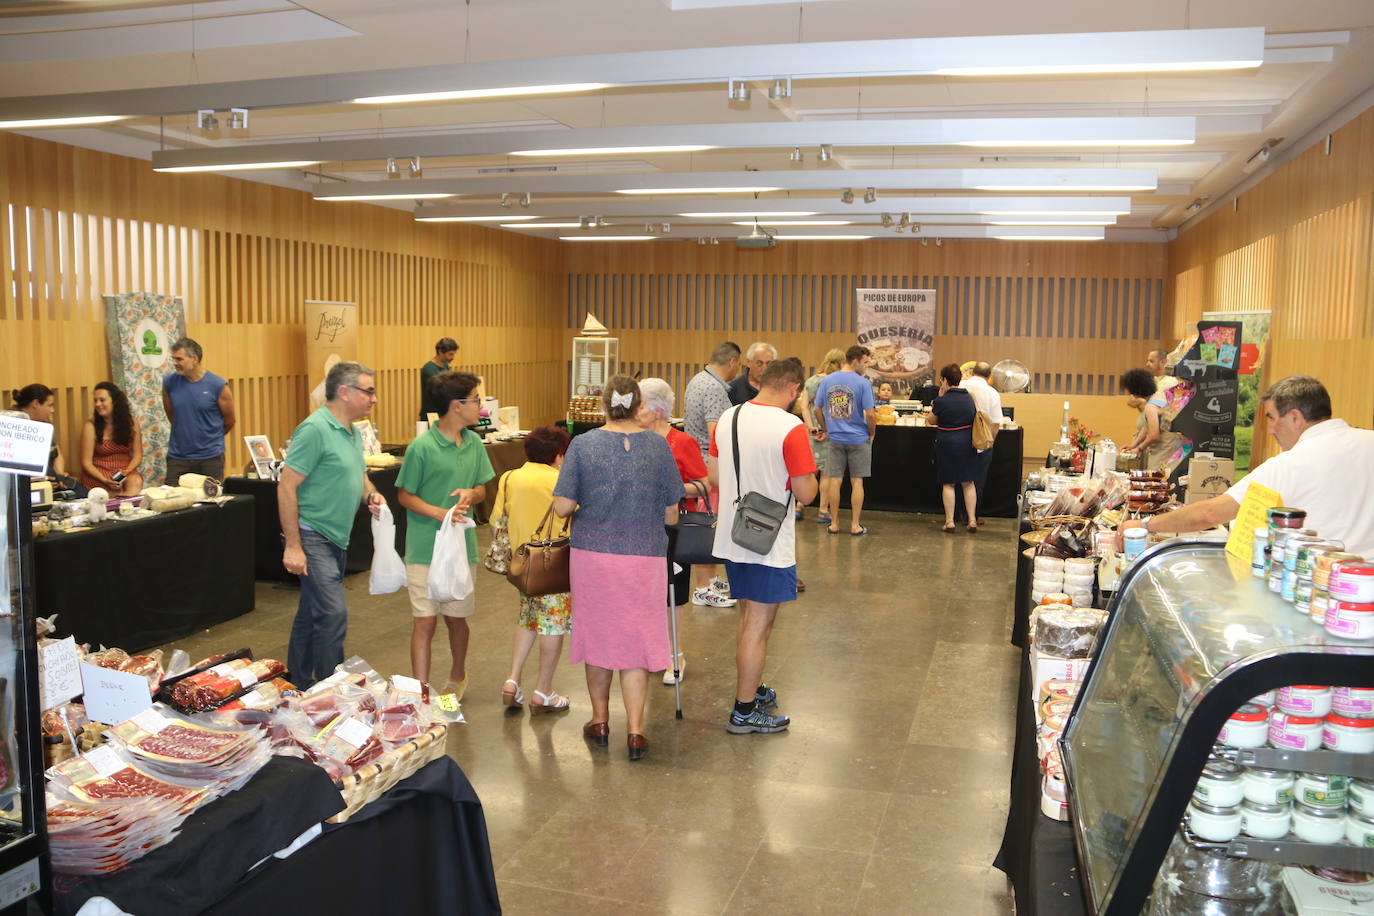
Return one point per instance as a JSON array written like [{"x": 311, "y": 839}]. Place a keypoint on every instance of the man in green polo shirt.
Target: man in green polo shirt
[
  {"x": 445, "y": 466},
  {"x": 444, "y": 351},
  {"x": 321, "y": 485}
]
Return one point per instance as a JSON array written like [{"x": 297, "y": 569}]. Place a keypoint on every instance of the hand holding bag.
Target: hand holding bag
[
  {"x": 388, "y": 569},
  {"x": 758, "y": 518},
  {"x": 498, "y": 554},
  {"x": 696, "y": 533},
  {"x": 540, "y": 565},
  {"x": 450, "y": 577}
]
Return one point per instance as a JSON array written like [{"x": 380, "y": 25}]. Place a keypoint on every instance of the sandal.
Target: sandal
[
  {"x": 822, "y": 520},
  {"x": 512, "y": 697},
  {"x": 972, "y": 529},
  {"x": 948, "y": 528},
  {"x": 549, "y": 702},
  {"x": 457, "y": 688}
]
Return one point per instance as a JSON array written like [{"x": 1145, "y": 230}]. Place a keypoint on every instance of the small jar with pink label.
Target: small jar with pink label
[
  {"x": 1299, "y": 733},
  {"x": 1304, "y": 700}
]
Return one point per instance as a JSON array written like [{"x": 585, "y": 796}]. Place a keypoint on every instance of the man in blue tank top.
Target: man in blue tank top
[{"x": 200, "y": 408}]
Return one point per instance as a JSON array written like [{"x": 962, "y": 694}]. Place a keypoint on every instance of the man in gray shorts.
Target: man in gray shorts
[{"x": 849, "y": 417}]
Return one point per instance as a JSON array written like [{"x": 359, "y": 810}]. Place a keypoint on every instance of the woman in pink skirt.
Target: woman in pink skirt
[{"x": 623, "y": 484}]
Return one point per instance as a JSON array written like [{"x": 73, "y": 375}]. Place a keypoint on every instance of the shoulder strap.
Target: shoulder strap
[
  {"x": 734, "y": 448},
  {"x": 504, "y": 487}
]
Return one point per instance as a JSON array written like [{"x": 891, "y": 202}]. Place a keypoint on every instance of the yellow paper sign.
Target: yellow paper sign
[{"x": 1253, "y": 514}]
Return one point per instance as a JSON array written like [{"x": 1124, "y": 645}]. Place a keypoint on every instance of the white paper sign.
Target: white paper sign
[
  {"x": 24, "y": 445},
  {"x": 114, "y": 696},
  {"x": 104, "y": 760},
  {"x": 59, "y": 673},
  {"x": 354, "y": 732}
]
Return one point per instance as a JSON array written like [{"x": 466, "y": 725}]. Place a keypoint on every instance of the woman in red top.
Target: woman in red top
[
  {"x": 111, "y": 447},
  {"x": 654, "y": 411}
]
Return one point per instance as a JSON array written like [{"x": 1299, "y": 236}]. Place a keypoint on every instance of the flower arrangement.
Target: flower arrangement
[{"x": 1079, "y": 435}]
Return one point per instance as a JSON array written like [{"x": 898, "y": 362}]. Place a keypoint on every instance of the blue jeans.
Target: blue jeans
[{"x": 317, "y": 636}]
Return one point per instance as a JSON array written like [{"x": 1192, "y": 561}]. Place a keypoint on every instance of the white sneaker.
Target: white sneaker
[
  {"x": 708, "y": 598},
  {"x": 681, "y": 671},
  {"x": 720, "y": 587}
]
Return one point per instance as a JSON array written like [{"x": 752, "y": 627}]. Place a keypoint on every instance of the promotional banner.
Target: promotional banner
[
  {"x": 1208, "y": 385},
  {"x": 140, "y": 329},
  {"x": 1255, "y": 331},
  {"x": 898, "y": 325},
  {"x": 331, "y": 336}
]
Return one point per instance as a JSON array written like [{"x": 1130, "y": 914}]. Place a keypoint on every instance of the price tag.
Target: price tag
[
  {"x": 253, "y": 699},
  {"x": 405, "y": 684},
  {"x": 105, "y": 761},
  {"x": 354, "y": 732},
  {"x": 223, "y": 670},
  {"x": 150, "y": 720},
  {"x": 113, "y": 696},
  {"x": 246, "y": 677},
  {"x": 448, "y": 702},
  {"x": 59, "y": 670},
  {"x": 24, "y": 445}
]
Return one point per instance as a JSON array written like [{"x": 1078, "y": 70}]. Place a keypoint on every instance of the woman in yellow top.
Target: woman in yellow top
[{"x": 522, "y": 498}]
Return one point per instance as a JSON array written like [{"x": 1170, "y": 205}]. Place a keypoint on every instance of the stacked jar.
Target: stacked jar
[
  {"x": 1280, "y": 519},
  {"x": 1313, "y": 578},
  {"x": 1321, "y": 581},
  {"x": 1350, "y": 607}
]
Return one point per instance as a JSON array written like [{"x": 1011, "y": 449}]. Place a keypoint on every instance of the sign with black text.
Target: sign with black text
[
  {"x": 898, "y": 325},
  {"x": 24, "y": 445}
]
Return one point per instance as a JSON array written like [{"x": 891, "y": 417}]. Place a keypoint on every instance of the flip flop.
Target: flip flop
[
  {"x": 858, "y": 534},
  {"x": 833, "y": 530},
  {"x": 822, "y": 520}
]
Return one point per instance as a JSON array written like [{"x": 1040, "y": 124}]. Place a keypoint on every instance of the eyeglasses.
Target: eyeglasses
[
  {"x": 370, "y": 392},
  {"x": 468, "y": 400}
]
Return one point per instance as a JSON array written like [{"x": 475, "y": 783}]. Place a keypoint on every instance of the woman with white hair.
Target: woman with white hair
[{"x": 654, "y": 411}]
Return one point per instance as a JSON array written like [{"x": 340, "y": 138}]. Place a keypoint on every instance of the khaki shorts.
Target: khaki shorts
[{"x": 417, "y": 583}]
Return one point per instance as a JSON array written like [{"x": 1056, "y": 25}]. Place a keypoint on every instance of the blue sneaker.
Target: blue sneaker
[
  {"x": 758, "y": 720},
  {"x": 766, "y": 697}
]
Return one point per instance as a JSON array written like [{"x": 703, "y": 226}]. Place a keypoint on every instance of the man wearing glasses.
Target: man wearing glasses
[{"x": 321, "y": 485}]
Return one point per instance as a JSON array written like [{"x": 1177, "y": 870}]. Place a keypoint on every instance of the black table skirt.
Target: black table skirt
[
  {"x": 143, "y": 583},
  {"x": 903, "y": 473}
]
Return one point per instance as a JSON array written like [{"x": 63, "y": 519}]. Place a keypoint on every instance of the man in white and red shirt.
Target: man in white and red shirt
[{"x": 775, "y": 461}]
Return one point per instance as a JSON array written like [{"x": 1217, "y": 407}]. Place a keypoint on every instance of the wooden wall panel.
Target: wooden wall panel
[{"x": 1299, "y": 244}]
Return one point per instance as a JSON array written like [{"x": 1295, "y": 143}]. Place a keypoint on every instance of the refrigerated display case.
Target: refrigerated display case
[
  {"x": 1191, "y": 637},
  {"x": 23, "y": 843}
]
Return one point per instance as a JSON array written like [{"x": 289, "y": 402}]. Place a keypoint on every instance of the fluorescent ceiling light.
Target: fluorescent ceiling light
[
  {"x": 1085, "y": 142},
  {"x": 612, "y": 150},
  {"x": 1105, "y": 221},
  {"x": 794, "y": 222},
  {"x": 1055, "y": 69},
  {"x": 606, "y": 238},
  {"x": 1054, "y": 214},
  {"x": 460, "y": 94},
  {"x": 385, "y": 197},
  {"x": 1049, "y": 238},
  {"x": 650, "y": 191},
  {"x": 731, "y": 214},
  {"x": 541, "y": 225},
  {"x": 471, "y": 219},
  {"x": 820, "y": 238},
  {"x": 59, "y": 122},
  {"x": 241, "y": 166},
  {"x": 1063, "y": 187},
  {"x": 1102, "y": 52}
]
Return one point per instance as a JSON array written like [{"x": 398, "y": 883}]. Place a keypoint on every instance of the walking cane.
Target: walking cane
[{"x": 672, "y": 630}]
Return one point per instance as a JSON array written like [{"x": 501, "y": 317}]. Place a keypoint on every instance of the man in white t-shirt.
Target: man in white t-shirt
[
  {"x": 775, "y": 461},
  {"x": 989, "y": 403},
  {"x": 1326, "y": 468}
]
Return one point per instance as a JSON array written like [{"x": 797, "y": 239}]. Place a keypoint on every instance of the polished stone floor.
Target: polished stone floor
[{"x": 888, "y": 794}]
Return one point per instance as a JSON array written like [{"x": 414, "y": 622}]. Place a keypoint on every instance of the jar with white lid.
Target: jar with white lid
[
  {"x": 1348, "y": 734},
  {"x": 1217, "y": 823},
  {"x": 1349, "y": 620},
  {"x": 1265, "y": 699},
  {"x": 1259, "y": 553},
  {"x": 1299, "y": 733},
  {"x": 1220, "y": 784},
  {"x": 1357, "y": 702},
  {"x": 1304, "y": 700},
  {"x": 1247, "y": 727},
  {"x": 1318, "y": 825},
  {"x": 1268, "y": 787},
  {"x": 1360, "y": 794},
  {"x": 1352, "y": 580},
  {"x": 1316, "y": 611},
  {"x": 1321, "y": 790},
  {"x": 1267, "y": 822},
  {"x": 1359, "y": 829}
]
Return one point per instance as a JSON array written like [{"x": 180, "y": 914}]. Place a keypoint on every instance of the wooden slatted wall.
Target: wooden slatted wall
[
  {"x": 76, "y": 224},
  {"x": 1299, "y": 244}
]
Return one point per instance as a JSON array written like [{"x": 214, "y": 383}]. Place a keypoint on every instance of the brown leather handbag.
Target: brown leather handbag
[{"x": 540, "y": 565}]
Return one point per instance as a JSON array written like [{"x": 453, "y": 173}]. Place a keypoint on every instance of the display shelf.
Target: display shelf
[
  {"x": 1328, "y": 763},
  {"x": 1289, "y": 851}
]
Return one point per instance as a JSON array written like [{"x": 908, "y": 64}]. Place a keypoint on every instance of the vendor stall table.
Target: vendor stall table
[
  {"x": 145, "y": 582},
  {"x": 903, "y": 473}
]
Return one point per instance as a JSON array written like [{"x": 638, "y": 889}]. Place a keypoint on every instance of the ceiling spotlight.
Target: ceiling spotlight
[
  {"x": 915, "y": 228},
  {"x": 392, "y": 171},
  {"x": 781, "y": 89},
  {"x": 796, "y": 154},
  {"x": 600, "y": 222},
  {"x": 1197, "y": 204},
  {"x": 905, "y": 220},
  {"x": 584, "y": 222},
  {"x": 701, "y": 240},
  {"x": 737, "y": 92},
  {"x": 506, "y": 201},
  {"x": 901, "y": 229},
  {"x": 667, "y": 227},
  {"x": 825, "y": 153},
  {"x": 887, "y": 220},
  {"x": 847, "y": 196},
  {"x": 238, "y": 119},
  {"x": 939, "y": 242},
  {"x": 925, "y": 242},
  {"x": 206, "y": 120},
  {"x": 870, "y": 195},
  {"x": 648, "y": 228},
  {"x": 415, "y": 170},
  {"x": 526, "y": 200},
  {"x": 714, "y": 240},
  {"x": 1261, "y": 156}
]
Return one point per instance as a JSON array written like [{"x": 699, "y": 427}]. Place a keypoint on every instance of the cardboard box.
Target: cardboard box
[
  {"x": 1051, "y": 668},
  {"x": 1208, "y": 477}
]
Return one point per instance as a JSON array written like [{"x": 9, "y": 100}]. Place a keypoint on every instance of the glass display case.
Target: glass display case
[
  {"x": 1191, "y": 637},
  {"x": 22, "y": 836}
]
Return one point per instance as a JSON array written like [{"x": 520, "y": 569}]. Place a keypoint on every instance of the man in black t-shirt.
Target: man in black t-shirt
[{"x": 745, "y": 386}]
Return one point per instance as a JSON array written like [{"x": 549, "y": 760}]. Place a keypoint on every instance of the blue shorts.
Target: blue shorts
[{"x": 763, "y": 584}]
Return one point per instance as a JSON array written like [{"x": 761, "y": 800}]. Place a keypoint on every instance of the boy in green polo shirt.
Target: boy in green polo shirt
[{"x": 445, "y": 466}]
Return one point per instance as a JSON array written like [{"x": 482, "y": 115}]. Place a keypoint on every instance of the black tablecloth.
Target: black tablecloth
[
  {"x": 421, "y": 848},
  {"x": 217, "y": 845},
  {"x": 145, "y": 582},
  {"x": 903, "y": 473}
]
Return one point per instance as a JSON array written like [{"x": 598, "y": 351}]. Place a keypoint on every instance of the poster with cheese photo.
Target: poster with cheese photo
[{"x": 898, "y": 325}]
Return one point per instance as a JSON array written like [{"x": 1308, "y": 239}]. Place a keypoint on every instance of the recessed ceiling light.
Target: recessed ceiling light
[
  {"x": 241, "y": 166},
  {"x": 432, "y": 196},
  {"x": 794, "y": 222},
  {"x": 696, "y": 190},
  {"x": 732, "y": 214},
  {"x": 606, "y": 238},
  {"x": 471, "y": 219},
  {"x": 610, "y": 150},
  {"x": 459, "y": 94},
  {"x": 60, "y": 122}
]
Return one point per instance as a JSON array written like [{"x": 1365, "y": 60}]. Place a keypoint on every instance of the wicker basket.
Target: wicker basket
[
  {"x": 369, "y": 783},
  {"x": 1050, "y": 521}
]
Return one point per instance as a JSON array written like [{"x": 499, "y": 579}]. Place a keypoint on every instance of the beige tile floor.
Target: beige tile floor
[{"x": 887, "y": 795}]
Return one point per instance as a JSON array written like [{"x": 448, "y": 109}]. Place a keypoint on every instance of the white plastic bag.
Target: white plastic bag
[
  {"x": 450, "y": 577},
  {"x": 388, "y": 569}
]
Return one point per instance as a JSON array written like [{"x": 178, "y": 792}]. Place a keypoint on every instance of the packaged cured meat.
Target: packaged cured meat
[
  {"x": 107, "y": 658},
  {"x": 213, "y": 686},
  {"x": 150, "y": 666}
]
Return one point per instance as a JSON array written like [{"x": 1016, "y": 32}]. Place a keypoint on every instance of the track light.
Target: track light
[
  {"x": 238, "y": 119},
  {"x": 392, "y": 171},
  {"x": 206, "y": 120},
  {"x": 925, "y": 242},
  {"x": 599, "y": 222},
  {"x": 870, "y": 195},
  {"x": 1197, "y": 204},
  {"x": 905, "y": 220},
  {"x": 796, "y": 154},
  {"x": 701, "y": 240},
  {"x": 939, "y": 243},
  {"x": 415, "y": 170},
  {"x": 667, "y": 227},
  {"x": 900, "y": 229},
  {"x": 737, "y": 91},
  {"x": 887, "y": 220},
  {"x": 506, "y": 201},
  {"x": 526, "y": 200},
  {"x": 1261, "y": 156},
  {"x": 584, "y": 222},
  {"x": 714, "y": 240},
  {"x": 847, "y": 196},
  {"x": 781, "y": 89},
  {"x": 825, "y": 153}
]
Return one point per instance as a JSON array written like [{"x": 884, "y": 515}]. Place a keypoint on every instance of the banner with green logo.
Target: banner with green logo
[{"x": 140, "y": 329}]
